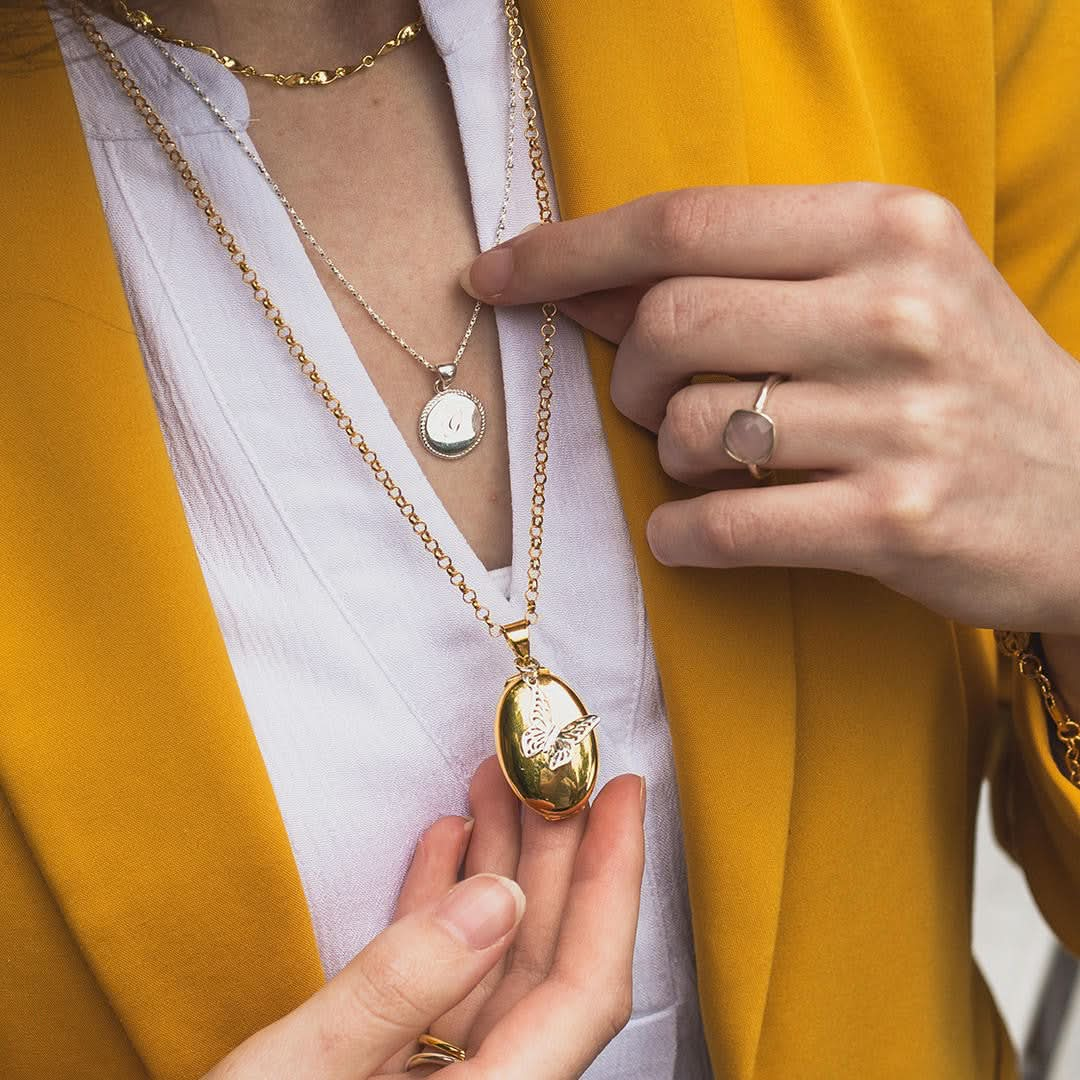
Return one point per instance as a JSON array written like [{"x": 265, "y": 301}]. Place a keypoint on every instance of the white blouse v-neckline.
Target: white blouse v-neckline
[{"x": 369, "y": 684}]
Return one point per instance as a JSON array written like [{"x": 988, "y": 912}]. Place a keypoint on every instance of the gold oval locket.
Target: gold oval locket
[{"x": 546, "y": 744}]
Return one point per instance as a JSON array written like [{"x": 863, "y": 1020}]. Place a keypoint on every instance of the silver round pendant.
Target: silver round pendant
[{"x": 452, "y": 423}]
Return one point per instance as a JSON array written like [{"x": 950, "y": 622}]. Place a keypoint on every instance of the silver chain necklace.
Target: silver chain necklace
[{"x": 453, "y": 421}]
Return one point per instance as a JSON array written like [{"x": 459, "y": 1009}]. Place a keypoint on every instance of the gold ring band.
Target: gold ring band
[
  {"x": 430, "y": 1057},
  {"x": 441, "y": 1046}
]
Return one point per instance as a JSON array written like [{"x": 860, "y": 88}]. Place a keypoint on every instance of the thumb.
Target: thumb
[{"x": 408, "y": 976}]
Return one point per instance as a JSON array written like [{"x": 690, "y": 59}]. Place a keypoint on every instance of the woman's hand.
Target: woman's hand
[
  {"x": 936, "y": 420},
  {"x": 533, "y": 996}
]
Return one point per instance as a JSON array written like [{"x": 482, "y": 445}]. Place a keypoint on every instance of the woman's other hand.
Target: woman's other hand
[
  {"x": 533, "y": 979},
  {"x": 933, "y": 416}
]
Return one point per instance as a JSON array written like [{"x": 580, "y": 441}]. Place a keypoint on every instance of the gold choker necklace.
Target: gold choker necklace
[
  {"x": 545, "y": 738},
  {"x": 144, "y": 22}
]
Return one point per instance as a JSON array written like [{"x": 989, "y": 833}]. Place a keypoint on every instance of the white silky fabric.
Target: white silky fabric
[{"x": 368, "y": 683}]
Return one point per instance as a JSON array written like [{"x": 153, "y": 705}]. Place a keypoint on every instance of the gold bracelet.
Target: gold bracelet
[{"x": 1017, "y": 645}]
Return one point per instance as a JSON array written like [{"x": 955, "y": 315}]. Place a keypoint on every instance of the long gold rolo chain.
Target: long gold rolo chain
[
  {"x": 144, "y": 22},
  {"x": 1017, "y": 646},
  {"x": 519, "y": 59}
]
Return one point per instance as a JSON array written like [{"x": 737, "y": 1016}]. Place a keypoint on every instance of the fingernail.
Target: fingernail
[
  {"x": 652, "y": 538},
  {"x": 482, "y": 909},
  {"x": 642, "y": 796},
  {"x": 468, "y": 824},
  {"x": 529, "y": 228},
  {"x": 489, "y": 273}
]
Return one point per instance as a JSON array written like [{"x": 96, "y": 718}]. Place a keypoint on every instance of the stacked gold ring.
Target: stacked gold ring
[
  {"x": 433, "y": 1042},
  {"x": 439, "y": 1052}
]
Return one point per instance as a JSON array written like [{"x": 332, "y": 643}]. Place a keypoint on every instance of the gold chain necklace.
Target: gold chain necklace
[
  {"x": 144, "y": 22},
  {"x": 544, "y": 736}
]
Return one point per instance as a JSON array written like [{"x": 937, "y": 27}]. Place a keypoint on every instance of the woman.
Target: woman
[{"x": 234, "y": 697}]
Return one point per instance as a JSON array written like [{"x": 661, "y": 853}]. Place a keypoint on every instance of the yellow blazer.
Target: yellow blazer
[{"x": 830, "y": 736}]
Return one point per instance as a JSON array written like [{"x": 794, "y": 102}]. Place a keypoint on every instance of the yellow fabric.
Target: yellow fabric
[{"x": 830, "y": 736}]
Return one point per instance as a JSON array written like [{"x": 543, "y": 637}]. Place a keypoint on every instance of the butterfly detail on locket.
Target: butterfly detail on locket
[{"x": 545, "y": 736}]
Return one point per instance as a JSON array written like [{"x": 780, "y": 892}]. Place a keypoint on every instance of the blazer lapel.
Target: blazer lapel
[
  {"x": 639, "y": 98},
  {"x": 125, "y": 749}
]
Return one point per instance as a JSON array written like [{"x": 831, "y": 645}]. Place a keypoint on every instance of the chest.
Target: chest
[{"x": 376, "y": 169}]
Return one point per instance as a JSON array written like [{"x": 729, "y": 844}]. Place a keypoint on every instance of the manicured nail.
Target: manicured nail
[
  {"x": 489, "y": 273},
  {"x": 468, "y": 824},
  {"x": 482, "y": 910},
  {"x": 642, "y": 796}
]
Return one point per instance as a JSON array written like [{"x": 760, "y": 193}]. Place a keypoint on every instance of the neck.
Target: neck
[{"x": 281, "y": 35}]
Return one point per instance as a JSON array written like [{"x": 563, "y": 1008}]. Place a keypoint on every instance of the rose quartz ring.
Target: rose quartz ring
[{"x": 750, "y": 434}]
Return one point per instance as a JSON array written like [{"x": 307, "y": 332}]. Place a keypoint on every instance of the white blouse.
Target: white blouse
[{"x": 368, "y": 683}]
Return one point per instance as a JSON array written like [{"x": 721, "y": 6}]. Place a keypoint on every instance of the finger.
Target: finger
[
  {"x": 556, "y": 1031},
  {"x": 496, "y": 838},
  {"x": 435, "y": 865},
  {"x": 411, "y": 973},
  {"x": 814, "y": 427},
  {"x": 545, "y": 871},
  {"x": 781, "y": 232},
  {"x": 608, "y": 313},
  {"x": 823, "y": 524},
  {"x": 434, "y": 870},
  {"x": 493, "y": 848},
  {"x": 693, "y": 325}
]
